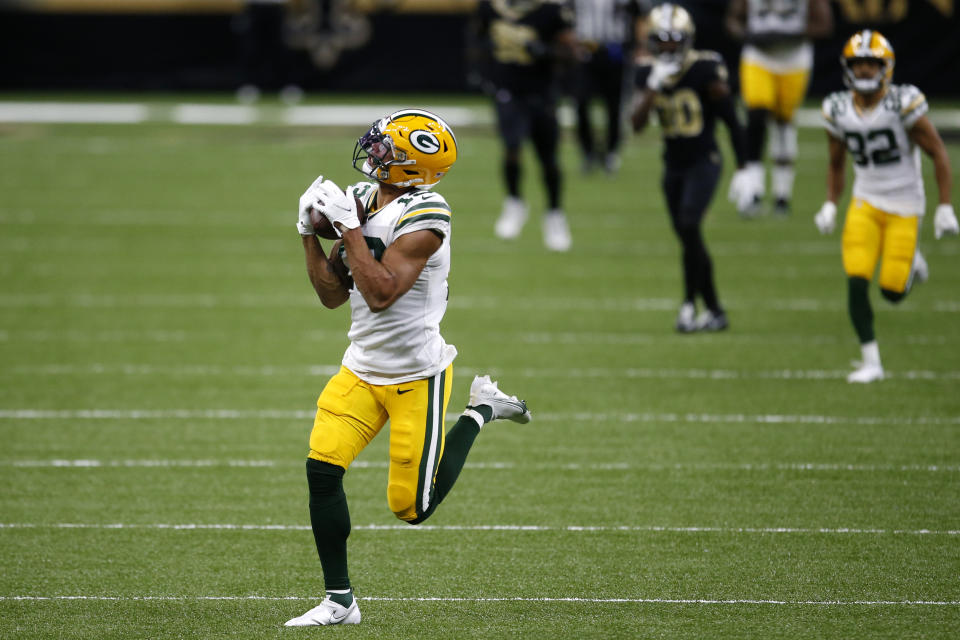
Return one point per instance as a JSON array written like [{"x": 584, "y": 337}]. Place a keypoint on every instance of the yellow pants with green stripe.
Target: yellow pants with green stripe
[
  {"x": 871, "y": 235},
  {"x": 351, "y": 412}
]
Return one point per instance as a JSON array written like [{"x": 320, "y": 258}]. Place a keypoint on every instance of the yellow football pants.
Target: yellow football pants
[
  {"x": 869, "y": 235},
  {"x": 780, "y": 93},
  {"x": 350, "y": 412}
]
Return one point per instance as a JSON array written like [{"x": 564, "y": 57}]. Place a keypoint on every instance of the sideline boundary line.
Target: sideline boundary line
[{"x": 230, "y": 113}]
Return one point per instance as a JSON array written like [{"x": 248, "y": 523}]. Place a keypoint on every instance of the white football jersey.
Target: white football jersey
[
  {"x": 787, "y": 18},
  {"x": 403, "y": 342},
  {"x": 886, "y": 163}
]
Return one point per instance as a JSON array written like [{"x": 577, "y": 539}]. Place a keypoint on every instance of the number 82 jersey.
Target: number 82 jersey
[{"x": 886, "y": 162}]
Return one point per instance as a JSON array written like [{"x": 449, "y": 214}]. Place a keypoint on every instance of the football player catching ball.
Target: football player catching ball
[{"x": 393, "y": 270}]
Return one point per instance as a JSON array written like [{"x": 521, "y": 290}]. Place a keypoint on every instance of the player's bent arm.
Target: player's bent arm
[
  {"x": 328, "y": 276},
  {"x": 735, "y": 20},
  {"x": 819, "y": 19},
  {"x": 925, "y": 136},
  {"x": 381, "y": 283},
  {"x": 719, "y": 92},
  {"x": 836, "y": 169}
]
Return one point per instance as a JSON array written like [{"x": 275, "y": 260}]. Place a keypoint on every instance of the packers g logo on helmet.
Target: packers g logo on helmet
[
  {"x": 408, "y": 148},
  {"x": 867, "y": 45},
  {"x": 425, "y": 141}
]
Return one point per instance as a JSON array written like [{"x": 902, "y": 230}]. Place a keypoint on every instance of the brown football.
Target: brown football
[{"x": 324, "y": 229}]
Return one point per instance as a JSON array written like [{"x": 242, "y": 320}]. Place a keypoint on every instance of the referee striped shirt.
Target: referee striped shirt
[{"x": 606, "y": 21}]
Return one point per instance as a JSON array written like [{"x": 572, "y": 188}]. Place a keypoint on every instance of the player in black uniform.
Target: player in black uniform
[
  {"x": 521, "y": 42},
  {"x": 689, "y": 90}
]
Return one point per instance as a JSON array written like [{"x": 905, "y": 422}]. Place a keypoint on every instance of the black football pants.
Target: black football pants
[{"x": 688, "y": 191}]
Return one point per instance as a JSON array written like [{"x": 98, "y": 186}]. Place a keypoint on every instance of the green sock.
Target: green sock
[
  {"x": 484, "y": 410},
  {"x": 330, "y": 520},
  {"x": 858, "y": 302},
  {"x": 342, "y": 598}
]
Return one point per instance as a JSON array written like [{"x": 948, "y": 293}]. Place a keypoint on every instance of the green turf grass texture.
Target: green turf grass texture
[{"x": 159, "y": 338}]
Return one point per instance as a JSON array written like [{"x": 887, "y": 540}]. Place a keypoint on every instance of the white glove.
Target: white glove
[
  {"x": 661, "y": 71},
  {"x": 826, "y": 218},
  {"x": 336, "y": 205},
  {"x": 744, "y": 189},
  {"x": 945, "y": 221},
  {"x": 308, "y": 201}
]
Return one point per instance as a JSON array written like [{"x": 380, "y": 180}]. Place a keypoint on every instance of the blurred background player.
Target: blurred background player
[
  {"x": 267, "y": 60},
  {"x": 522, "y": 42},
  {"x": 775, "y": 68},
  {"x": 689, "y": 91},
  {"x": 883, "y": 126},
  {"x": 393, "y": 269},
  {"x": 607, "y": 32}
]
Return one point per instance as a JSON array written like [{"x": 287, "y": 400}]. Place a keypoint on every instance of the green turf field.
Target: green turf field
[{"x": 161, "y": 350}]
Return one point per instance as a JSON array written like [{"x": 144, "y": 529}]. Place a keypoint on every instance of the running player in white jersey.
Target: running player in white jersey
[
  {"x": 884, "y": 127},
  {"x": 775, "y": 69},
  {"x": 393, "y": 269}
]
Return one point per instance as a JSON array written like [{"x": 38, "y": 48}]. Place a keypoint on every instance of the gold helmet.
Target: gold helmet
[
  {"x": 867, "y": 45},
  {"x": 670, "y": 23},
  {"x": 408, "y": 148}
]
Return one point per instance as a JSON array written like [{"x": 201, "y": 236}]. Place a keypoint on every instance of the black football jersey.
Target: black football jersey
[
  {"x": 686, "y": 113},
  {"x": 520, "y": 34}
]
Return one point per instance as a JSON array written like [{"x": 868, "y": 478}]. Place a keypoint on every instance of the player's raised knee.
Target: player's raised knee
[
  {"x": 893, "y": 296},
  {"x": 402, "y": 502}
]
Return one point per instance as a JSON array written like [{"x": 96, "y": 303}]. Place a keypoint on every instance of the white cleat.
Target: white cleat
[
  {"x": 710, "y": 321},
  {"x": 327, "y": 613},
  {"x": 512, "y": 218},
  {"x": 866, "y": 373},
  {"x": 686, "y": 318},
  {"x": 556, "y": 232},
  {"x": 484, "y": 391},
  {"x": 919, "y": 272}
]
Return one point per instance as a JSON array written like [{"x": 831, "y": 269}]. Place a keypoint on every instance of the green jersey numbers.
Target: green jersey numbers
[
  {"x": 878, "y": 146},
  {"x": 680, "y": 113}
]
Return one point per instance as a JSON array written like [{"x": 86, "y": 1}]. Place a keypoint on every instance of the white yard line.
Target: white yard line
[
  {"x": 523, "y": 337},
  {"x": 491, "y": 527},
  {"x": 592, "y": 305},
  {"x": 802, "y": 467},
  {"x": 131, "y": 369},
  {"x": 573, "y": 417},
  {"x": 545, "y": 600}
]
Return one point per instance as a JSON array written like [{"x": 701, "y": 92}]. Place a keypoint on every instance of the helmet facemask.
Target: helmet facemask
[
  {"x": 670, "y": 54},
  {"x": 866, "y": 85},
  {"x": 378, "y": 154}
]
